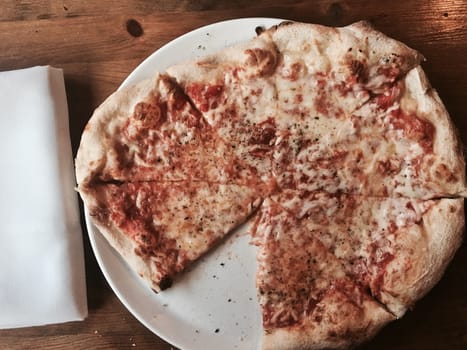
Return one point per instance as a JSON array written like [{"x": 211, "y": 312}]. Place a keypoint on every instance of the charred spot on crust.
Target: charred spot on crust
[
  {"x": 282, "y": 24},
  {"x": 166, "y": 282},
  {"x": 259, "y": 30},
  {"x": 285, "y": 23},
  {"x": 100, "y": 214}
]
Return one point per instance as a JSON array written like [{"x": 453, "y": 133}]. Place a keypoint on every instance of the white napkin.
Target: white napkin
[{"x": 42, "y": 279}]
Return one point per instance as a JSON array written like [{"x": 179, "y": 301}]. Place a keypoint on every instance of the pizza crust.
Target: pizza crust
[
  {"x": 324, "y": 48},
  {"x": 96, "y": 153},
  {"x": 343, "y": 325},
  {"x": 424, "y": 253},
  {"x": 449, "y": 164},
  {"x": 212, "y": 68}
]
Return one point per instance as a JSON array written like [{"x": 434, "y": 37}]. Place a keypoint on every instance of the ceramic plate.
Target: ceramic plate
[{"x": 213, "y": 305}]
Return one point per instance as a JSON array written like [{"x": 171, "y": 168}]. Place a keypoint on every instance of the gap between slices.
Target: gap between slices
[{"x": 394, "y": 137}]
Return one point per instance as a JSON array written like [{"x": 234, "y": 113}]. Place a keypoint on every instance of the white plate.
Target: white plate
[{"x": 214, "y": 304}]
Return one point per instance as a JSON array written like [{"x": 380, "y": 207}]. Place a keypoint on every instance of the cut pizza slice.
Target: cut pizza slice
[
  {"x": 307, "y": 298},
  {"x": 400, "y": 143},
  {"x": 161, "y": 228},
  {"x": 326, "y": 71},
  {"x": 151, "y": 132},
  {"x": 323, "y": 76},
  {"x": 235, "y": 93},
  {"x": 418, "y": 153},
  {"x": 397, "y": 247}
]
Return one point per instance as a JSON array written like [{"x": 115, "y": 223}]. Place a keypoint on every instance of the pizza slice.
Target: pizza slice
[
  {"x": 324, "y": 74},
  {"x": 326, "y": 71},
  {"x": 235, "y": 93},
  {"x": 396, "y": 247},
  {"x": 399, "y": 143},
  {"x": 161, "y": 228},
  {"x": 151, "y": 132},
  {"x": 307, "y": 297},
  {"x": 419, "y": 154}
]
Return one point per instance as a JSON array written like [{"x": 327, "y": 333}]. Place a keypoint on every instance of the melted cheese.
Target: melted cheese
[
  {"x": 363, "y": 233},
  {"x": 308, "y": 254}
]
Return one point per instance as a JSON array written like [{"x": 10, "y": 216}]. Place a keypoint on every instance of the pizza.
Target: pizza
[{"x": 329, "y": 142}]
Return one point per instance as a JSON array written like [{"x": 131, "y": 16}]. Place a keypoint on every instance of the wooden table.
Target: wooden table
[{"x": 99, "y": 43}]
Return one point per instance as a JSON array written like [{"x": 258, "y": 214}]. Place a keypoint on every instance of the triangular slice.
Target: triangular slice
[
  {"x": 399, "y": 143},
  {"x": 307, "y": 298},
  {"x": 235, "y": 92},
  {"x": 397, "y": 247},
  {"x": 151, "y": 132},
  {"x": 330, "y": 72},
  {"x": 324, "y": 75},
  {"x": 418, "y": 153},
  {"x": 161, "y": 228}
]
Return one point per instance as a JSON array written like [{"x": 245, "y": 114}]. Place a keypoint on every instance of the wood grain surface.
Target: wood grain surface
[{"x": 98, "y": 43}]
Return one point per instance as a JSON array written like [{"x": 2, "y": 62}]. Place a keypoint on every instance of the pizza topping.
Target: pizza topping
[
  {"x": 389, "y": 167},
  {"x": 291, "y": 72},
  {"x": 263, "y": 133},
  {"x": 128, "y": 209},
  {"x": 206, "y": 97},
  {"x": 183, "y": 115},
  {"x": 366, "y": 235},
  {"x": 444, "y": 172},
  {"x": 385, "y": 73},
  {"x": 149, "y": 115},
  {"x": 391, "y": 72},
  {"x": 377, "y": 283},
  {"x": 146, "y": 118},
  {"x": 414, "y": 128},
  {"x": 388, "y": 97},
  {"x": 262, "y": 59},
  {"x": 296, "y": 271}
]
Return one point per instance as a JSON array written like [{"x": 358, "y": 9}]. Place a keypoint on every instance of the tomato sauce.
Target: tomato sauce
[{"x": 415, "y": 128}]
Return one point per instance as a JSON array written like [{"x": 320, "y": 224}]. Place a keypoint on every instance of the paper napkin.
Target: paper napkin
[{"x": 42, "y": 279}]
